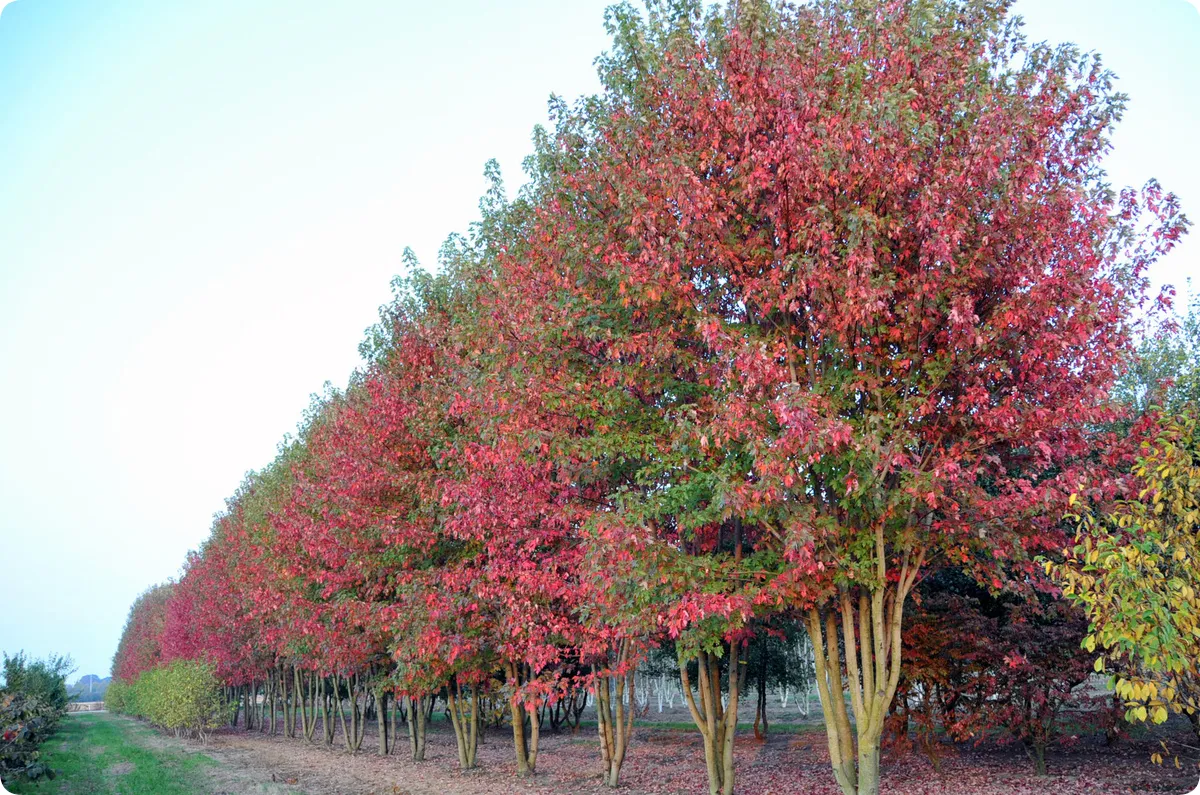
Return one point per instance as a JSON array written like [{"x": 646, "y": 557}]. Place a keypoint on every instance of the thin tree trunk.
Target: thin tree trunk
[
  {"x": 357, "y": 719},
  {"x": 327, "y": 726},
  {"x": 760, "y": 708},
  {"x": 262, "y": 708},
  {"x": 290, "y": 707},
  {"x": 397, "y": 708},
  {"x": 274, "y": 693},
  {"x": 465, "y": 721},
  {"x": 302, "y": 695},
  {"x": 381, "y": 718},
  {"x": 237, "y": 705},
  {"x": 526, "y": 747},
  {"x": 613, "y": 721},
  {"x": 341, "y": 710},
  {"x": 416, "y": 727}
]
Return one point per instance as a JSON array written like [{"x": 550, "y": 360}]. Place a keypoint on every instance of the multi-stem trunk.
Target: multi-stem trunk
[
  {"x": 464, "y": 717},
  {"x": 352, "y": 734},
  {"x": 303, "y": 689},
  {"x": 614, "y": 721},
  {"x": 416, "y": 726},
  {"x": 526, "y": 744},
  {"x": 716, "y": 720},
  {"x": 870, "y": 618},
  {"x": 357, "y": 719}
]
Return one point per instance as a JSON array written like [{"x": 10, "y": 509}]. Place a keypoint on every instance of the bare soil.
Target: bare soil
[{"x": 664, "y": 761}]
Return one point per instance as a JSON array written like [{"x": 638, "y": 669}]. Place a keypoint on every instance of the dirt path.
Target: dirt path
[{"x": 222, "y": 774}]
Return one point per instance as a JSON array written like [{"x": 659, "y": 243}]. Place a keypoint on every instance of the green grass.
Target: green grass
[{"x": 87, "y": 745}]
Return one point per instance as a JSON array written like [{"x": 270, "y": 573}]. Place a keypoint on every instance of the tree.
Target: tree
[
  {"x": 983, "y": 664},
  {"x": 140, "y": 647},
  {"x": 1135, "y": 570},
  {"x": 1165, "y": 371},
  {"x": 859, "y": 265}
]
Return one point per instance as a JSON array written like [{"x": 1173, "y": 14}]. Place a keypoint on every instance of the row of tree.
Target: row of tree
[{"x": 809, "y": 302}]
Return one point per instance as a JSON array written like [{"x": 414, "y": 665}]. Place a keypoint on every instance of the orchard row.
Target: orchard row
[{"x": 809, "y": 303}]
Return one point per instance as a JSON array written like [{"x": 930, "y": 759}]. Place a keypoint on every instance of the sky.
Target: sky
[{"x": 202, "y": 206}]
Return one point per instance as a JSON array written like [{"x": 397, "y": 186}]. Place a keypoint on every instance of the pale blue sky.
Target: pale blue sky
[{"x": 202, "y": 204}]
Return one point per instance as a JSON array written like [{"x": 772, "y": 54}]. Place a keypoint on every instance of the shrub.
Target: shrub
[
  {"x": 44, "y": 680},
  {"x": 116, "y": 697},
  {"x": 25, "y": 723},
  {"x": 183, "y": 696},
  {"x": 33, "y": 700}
]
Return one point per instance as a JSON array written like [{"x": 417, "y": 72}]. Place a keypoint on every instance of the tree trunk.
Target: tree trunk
[
  {"x": 416, "y": 727},
  {"x": 465, "y": 720},
  {"x": 237, "y": 705},
  {"x": 760, "y": 709},
  {"x": 303, "y": 693},
  {"x": 357, "y": 719},
  {"x": 613, "y": 721},
  {"x": 716, "y": 720},
  {"x": 262, "y": 708},
  {"x": 274, "y": 693},
  {"x": 381, "y": 718},
  {"x": 870, "y": 633},
  {"x": 290, "y": 707},
  {"x": 526, "y": 747},
  {"x": 1036, "y": 751},
  {"x": 397, "y": 709},
  {"x": 327, "y": 727}
]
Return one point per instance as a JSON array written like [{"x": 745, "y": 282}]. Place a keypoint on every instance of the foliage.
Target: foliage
[
  {"x": 987, "y": 665},
  {"x": 1165, "y": 371},
  {"x": 45, "y": 680},
  {"x": 183, "y": 696},
  {"x": 851, "y": 275},
  {"x": 140, "y": 646},
  {"x": 809, "y": 296},
  {"x": 25, "y": 723},
  {"x": 32, "y": 702},
  {"x": 1135, "y": 570}
]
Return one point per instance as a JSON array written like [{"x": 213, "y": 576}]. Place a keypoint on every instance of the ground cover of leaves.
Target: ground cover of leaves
[{"x": 670, "y": 762}]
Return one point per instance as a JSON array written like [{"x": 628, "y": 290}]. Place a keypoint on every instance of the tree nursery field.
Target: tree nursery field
[{"x": 804, "y": 425}]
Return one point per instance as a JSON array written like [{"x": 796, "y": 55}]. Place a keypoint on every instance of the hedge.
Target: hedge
[{"x": 183, "y": 696}]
